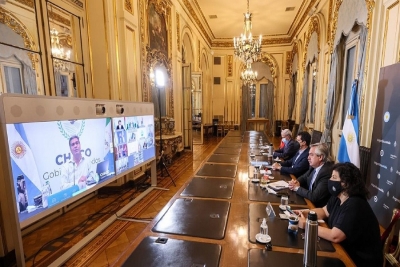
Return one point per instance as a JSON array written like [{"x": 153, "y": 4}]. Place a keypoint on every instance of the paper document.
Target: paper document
[{"x": 279, "y": 185}]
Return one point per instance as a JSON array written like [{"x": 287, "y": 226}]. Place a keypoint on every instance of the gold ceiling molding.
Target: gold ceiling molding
[
  {"x": 197, "y": 20},
  {"x": 29, "y": 3},
  {"x": 304, "y": 17},
  {"x": 178, "y": 32},
  {"x": 274, "y": 41},
  {"x": 19, "y": 28},
  {"x": 128, "y": 5},
  {"x": 370, "y": 6},
  {"x": 312, "y": 27},
  {"x": 294, "y": 51},
  {"x": 57, "y": 17}
]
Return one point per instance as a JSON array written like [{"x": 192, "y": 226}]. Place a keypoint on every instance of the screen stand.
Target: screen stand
[{"x": 162, "y": 166}]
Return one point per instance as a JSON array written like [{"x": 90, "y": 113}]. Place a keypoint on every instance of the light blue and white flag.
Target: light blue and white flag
[
  {"x": 23, "y": 160},
  {"x": 349, "y": 146}
]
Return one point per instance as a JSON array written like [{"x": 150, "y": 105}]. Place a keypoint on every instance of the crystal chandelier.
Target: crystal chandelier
[
  {"x": 248, "y": 76},
  {"x": 246, "y": 48},
  {"x": 58, "y": 52}
]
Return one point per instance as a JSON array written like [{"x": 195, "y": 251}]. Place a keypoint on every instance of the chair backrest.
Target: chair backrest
[
  {"x": 316, "y": 136},
  {"x": 295, "y": 129},
  {"x": 390, "y": 252}
]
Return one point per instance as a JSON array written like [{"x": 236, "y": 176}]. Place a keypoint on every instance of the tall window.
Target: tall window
[
  {"x": 11, "y": 77},
  {"x": 349, "y": 71},
  {"x": 312, "y": 93}
]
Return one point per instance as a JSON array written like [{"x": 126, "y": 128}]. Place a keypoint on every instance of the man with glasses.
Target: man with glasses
[
  {"x": 298, "y": 164},
  {"x": 313, "y": 185},
  {"x": 290, "y": 148}
]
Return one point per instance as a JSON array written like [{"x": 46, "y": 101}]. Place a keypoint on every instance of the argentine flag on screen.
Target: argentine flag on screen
[
  {"x": 349, "y": 147},
  {"x": 23, "y": 160}
]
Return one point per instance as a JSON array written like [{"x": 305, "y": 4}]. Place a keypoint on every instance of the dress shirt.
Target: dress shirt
[{"x": 315, "y": 173}]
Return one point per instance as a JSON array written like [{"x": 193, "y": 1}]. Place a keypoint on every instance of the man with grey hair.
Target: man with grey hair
[
  {"x": 291, "y": 146},
  {"x": 313, "y": 185}
]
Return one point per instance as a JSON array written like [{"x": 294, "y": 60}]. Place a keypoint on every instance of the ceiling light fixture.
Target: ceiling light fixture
[
  {"x": 60, "y": 56},
  {"x": 248, "y": 76},
  {"x": 246, "y": 48}
]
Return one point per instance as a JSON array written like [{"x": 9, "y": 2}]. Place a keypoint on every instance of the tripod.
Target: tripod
[{"x": 161, "y": 163}]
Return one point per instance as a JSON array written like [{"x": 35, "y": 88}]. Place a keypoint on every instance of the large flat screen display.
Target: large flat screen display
[
  {"x": 134, "y": 141},
  {"x": 54, "y": 161}
]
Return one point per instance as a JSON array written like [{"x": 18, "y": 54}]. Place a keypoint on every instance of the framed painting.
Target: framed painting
[{"x": 158, "y": 35}]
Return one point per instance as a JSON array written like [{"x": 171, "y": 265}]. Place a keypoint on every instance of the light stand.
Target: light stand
[{"x": 161, "y": 163}]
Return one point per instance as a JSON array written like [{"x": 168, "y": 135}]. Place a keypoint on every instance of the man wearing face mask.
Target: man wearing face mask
[
  {"x": 291, "y": 146},
  {"x": 350, "y": 218}
]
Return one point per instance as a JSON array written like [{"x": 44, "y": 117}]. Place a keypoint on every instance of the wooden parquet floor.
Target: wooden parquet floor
[{"x": 50, "y": 241}]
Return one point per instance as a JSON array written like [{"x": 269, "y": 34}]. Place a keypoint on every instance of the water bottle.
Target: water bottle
[
  {"x": 264, "y": 227},
  {"x": 310, "y": 242},
  {"x": 271, "y": 148}
]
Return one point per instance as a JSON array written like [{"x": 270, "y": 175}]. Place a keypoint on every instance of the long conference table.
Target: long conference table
[{"x": 214, "y": 218}]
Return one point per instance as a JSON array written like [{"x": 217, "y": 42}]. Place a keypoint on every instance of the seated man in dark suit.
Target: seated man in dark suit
[
  {"x": 297, "y": 165},
  {"x": 290, "y": 148},
  {"x": 313, "y": 185}
]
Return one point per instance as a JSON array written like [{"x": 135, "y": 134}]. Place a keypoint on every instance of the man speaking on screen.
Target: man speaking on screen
[{"x": 78, "y": 171}]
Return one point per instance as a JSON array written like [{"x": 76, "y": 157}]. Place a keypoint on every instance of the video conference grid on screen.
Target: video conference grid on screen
[
  {"x": 54, "y": 161},
  {"x": 134, "y": 141}
]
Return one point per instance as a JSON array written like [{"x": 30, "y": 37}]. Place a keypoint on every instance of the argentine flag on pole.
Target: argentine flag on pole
[{"x": 349, "y": 147}]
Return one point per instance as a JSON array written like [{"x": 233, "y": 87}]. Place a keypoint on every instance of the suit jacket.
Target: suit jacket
[
  {"x": 288, "y": 150},
  {"x": 319, "y": 194},
  {"x": 298, "y": 167}
]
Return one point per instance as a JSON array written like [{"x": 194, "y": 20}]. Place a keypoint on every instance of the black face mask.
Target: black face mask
[{"x": 334, "y": 187}]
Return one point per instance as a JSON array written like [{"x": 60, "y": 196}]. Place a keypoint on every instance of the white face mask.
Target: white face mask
[{"x": 284, "y": 140}]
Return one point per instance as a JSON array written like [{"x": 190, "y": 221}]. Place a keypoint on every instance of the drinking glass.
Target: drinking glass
[{"x": 284, "y": 201}]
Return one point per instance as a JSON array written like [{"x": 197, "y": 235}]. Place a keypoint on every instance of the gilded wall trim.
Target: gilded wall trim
[
  {"x": 57, "y": 17},
  {"x": 18, "y": 27},
  {"x": 288, "y": 62},
  {"x": 370, "y": 6},
  {"x": 178, "y": 32},
  {"x": 230, "y": 65},
  {"x": 312, "y": 27},
  {"x": 294, "y": 51},
  {"x": 197, "y": 20},
  {"x": 198, "y": 54},
  {"x": 29, "y": 3},
  {"x": 271, "y": 62},
  {"x": 152, "y": 58},
  {"x": 128, "y": 5},
  {"x": 77, "y": 3}
]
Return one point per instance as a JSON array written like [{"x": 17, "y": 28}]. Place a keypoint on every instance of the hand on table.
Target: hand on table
[{"x": 294, "y": 185}]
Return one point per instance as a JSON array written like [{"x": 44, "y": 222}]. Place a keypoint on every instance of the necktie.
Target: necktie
[{"x": 313, "y": 175}]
